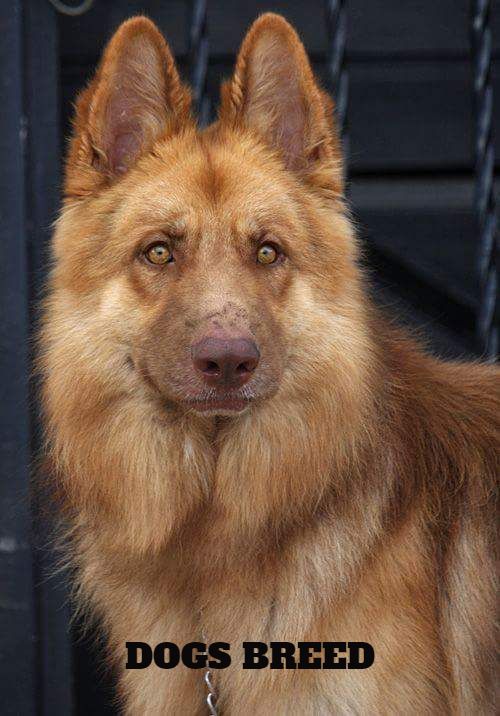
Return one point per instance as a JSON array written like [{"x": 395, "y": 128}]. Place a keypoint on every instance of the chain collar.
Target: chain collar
[{"x": 212, "y": 694}]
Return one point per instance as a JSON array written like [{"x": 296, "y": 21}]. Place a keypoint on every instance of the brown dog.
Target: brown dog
[{"x": 244, "y": 447}]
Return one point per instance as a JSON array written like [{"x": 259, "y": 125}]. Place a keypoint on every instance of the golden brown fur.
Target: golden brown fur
[{"x": 352, "y": 500}]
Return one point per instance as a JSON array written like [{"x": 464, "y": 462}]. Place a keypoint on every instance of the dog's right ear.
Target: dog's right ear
[{"x": 135, "y": 97}]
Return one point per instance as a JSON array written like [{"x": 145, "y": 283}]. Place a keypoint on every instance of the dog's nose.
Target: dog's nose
[{"x": 225, "y": 363}]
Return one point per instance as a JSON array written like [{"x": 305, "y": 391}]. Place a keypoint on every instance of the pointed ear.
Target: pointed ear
[
  {"x": 135, "y": 97},
  {"x": 274, "y": 93}
]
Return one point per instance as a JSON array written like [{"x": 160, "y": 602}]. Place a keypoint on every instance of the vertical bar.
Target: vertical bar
[
  {"x": 338, "y": 79},
  {"x": 41, "y": 100},
  {"x": 198, "y": 59},
  {"x": 17, "y": 608},
  {"x": 487, "y": 318}
]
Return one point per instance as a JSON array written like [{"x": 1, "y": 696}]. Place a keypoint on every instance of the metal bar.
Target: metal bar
[
  {"x": 42, "y": 177},
  {"x": 488, "y": 313},
  {"x": 198, "y": 59},
  {"x": 17, "y": 607},
  {"x": 338, "y": 79}
]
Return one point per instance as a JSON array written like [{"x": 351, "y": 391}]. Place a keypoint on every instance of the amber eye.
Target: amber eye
[
  {"x": 158, "y": 254},
  {"x": 267, "y": 254}
]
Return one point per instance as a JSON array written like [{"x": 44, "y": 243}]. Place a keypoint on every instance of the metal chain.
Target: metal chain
[
  {"x": 211, "y": 699},
  {"x": 72, "y": 10},
  {"x": 488, "y": 314},
  {"x": 338, "y": 80},
  {"x": 198, "y": 59},
  {"x": 212, "y": 695}
]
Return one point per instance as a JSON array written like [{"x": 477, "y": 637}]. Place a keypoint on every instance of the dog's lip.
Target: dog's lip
[{"x": 230, "y": 403}]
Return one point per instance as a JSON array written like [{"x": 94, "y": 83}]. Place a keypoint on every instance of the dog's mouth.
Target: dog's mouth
[
  {"x": 229, "y": 404},
  {"x": 205, "y": 401}
]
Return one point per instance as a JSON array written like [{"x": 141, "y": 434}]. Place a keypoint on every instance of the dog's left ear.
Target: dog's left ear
[{"x": 273, "y": 92}]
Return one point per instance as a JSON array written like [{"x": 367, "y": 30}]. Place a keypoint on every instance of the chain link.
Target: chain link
[
  {"x": 72, "y": 10},
  {"x": 211, "y": 699},
  {"x": 212, "y": 695}
]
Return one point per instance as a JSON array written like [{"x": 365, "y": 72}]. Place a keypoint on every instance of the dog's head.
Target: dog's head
[{"x": 212, "y": 268}]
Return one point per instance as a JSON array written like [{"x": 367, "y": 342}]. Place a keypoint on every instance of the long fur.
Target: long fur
[{"x": 355, "y": 502}]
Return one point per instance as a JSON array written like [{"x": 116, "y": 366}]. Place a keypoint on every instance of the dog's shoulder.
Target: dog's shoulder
[
  {"x": 447, "y": 415},
  {"x": 465, "y": 400}
]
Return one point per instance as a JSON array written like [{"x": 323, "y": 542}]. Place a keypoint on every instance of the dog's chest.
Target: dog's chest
[{"x": 291, "y": 597}]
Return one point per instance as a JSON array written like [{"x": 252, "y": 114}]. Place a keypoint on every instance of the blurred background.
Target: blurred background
[{"x": 416, "y": 83}]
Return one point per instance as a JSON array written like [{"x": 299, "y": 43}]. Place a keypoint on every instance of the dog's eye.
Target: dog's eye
[
  {"x": 267, "y": 254},
  {"x": 158, "y": 254}
]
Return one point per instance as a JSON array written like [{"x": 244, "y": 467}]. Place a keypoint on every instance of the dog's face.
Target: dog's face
[{"x": 210, "y": 267}]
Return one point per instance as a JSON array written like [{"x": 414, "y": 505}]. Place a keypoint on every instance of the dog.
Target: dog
[{"x": 243, "y": 447}]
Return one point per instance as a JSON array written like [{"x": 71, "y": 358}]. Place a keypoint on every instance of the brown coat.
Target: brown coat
[{"x": 353, "y": 500}]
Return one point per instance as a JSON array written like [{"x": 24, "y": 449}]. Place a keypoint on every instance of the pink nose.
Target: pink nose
[{"x": 226, "y": 363}]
